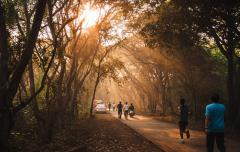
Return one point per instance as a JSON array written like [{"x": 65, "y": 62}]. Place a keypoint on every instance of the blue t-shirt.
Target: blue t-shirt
[{"x": 215, "y": 112}]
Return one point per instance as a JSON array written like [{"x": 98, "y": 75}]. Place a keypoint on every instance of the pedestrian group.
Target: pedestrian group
[{"x": 214, "y": 121}]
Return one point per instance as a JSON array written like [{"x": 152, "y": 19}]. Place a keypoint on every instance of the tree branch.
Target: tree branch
[
  {"x": 28, "y": 51},
  {"x": 218, "y": 42},
  {"x": 45, "y": 76}
]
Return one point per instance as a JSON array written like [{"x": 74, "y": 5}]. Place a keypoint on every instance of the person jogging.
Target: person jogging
[
  {"x": 214, "y": 124},
  {"x": 119, "y": 108},
  {"x": 183, "y": 122}
]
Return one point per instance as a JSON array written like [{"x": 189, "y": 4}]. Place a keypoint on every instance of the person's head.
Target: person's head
[
  {"x": 182, "y": 101},
  {"x": 120, "y": 102},
  {"x": 131, "y": 104},
  {"x": 126, "y": 103},
  {"x": 215, "y": 98}
]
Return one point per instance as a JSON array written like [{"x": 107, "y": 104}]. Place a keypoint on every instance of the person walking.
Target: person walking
[
  {"x": 113, "y": 106},
  {"x": 183, "y": 122},
  {"x": 109, "y": 106},
  {"x": 214, "y": 124},
  {"x": 119, "y": 108},
  {"x": 125, "y": 110}
]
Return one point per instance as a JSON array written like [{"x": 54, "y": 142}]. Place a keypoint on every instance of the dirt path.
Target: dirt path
[
  {"x": 166, "y": 135},
  {"x": 103, "y": 133},
  {"x": 107, "y": 134}
]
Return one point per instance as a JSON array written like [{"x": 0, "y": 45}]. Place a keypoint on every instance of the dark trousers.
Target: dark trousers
[
  {"x": 119, "y": 113},
  {"x": 219, "y": 138},
  {"x": 126, "y": 113},
  {"x": 182, "y": 127}
]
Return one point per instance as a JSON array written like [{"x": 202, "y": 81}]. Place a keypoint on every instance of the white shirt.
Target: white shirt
[{"x": 125, "y": 107}]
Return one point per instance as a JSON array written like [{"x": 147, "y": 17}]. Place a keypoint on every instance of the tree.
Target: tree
[
  {"x": 207, "y": 24},
  {"x": 105, "y": 68},
  {"x": 10, "y": 79}
]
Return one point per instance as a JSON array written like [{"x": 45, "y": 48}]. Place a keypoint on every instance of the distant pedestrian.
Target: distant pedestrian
[
  {"x": 183, "y": 122},
  {"x": 119, "y": 108},
  {"x": 125, "y": 110},
  {"x": 113, "y": 107},
  {"x": 214, "y": 124},
  {"x": 109, "y": 106}
]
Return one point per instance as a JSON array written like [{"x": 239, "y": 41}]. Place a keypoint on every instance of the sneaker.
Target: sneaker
[
  {"x": 182, "y": 141},
  {"x": 188, "y": 134}
]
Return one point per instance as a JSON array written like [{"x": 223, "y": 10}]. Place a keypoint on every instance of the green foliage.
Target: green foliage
[
  {"x": 111, "y": 69},
  {"x": 219, "y": 60},
  {"x": 217, "y": 55},
  {"x": 195, "y": 22},
  {"x": 10, "y": 12},
  {"x": 210, "y": 26}
]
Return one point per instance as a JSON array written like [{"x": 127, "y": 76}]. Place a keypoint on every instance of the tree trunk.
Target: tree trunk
[
  {"x": 94, "y": 94},
  {"x": 32, "y": 91},
  {"x": 5, "y": 113},
  {"x": 41, "y": 131},
  {"x": 195, "y": 106},
  {"x": 238, "y": 95},
  {"x": 60, "y": 97},
  {"x": 232, "y": 89},
  {"x": 74, "y": 102},
  {"x": 164, "y": 106},
  {"x": 169, "y": 100},
  {"x": 5, "y": 127}
]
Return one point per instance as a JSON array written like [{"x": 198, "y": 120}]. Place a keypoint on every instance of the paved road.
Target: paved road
[{"x": 166, "y": 135}]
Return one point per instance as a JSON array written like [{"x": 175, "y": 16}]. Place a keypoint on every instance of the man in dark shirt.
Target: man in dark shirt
[
  {"x": 183, "y": 122},
  {"x": 119, "y": 108},
  {"x": 109, "y": 106}
]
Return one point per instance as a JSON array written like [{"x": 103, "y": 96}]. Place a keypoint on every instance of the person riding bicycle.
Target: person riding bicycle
[{"x": 131, "y": 110}]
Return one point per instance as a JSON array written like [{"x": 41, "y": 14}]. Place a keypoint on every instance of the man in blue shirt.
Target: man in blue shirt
[{"x": 214, "y": 124}]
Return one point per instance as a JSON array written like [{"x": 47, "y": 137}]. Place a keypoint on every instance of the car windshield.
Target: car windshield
[{"x": 101, "y": 106}]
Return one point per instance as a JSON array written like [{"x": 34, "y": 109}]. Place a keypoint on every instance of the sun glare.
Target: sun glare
[{"x": 90, "y": 16}]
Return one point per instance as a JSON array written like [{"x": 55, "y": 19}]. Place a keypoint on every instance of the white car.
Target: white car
[{"x": 101, "y": 108}]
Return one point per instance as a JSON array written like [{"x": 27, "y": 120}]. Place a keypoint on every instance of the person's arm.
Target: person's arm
[
  {"x": 207, "y": 119},
  {"x": 225, "y": 118}
]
